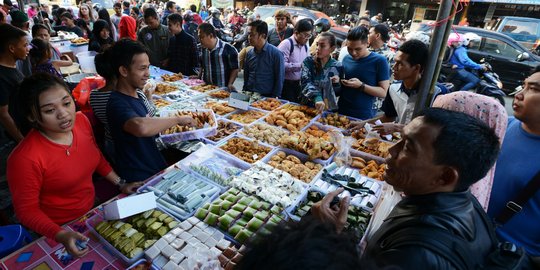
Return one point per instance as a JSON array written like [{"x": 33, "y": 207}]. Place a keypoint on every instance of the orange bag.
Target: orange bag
[{"x": 81, "y": 93}]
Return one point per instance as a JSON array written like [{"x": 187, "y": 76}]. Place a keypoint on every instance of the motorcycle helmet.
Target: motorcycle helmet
[
  {"x": 455, "y": 37},
  {"x": 468, "y": 37},
  {"x": 419, "y": 35},
  {"x": 321, "y": 25}
]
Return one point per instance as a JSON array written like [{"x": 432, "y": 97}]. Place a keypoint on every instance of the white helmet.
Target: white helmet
[
  {"x": 419, "y": 35},
  {"x": 468, "y": 37}
]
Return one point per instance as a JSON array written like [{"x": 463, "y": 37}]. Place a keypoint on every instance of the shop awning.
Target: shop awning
[{"x": 517, "y": 2}]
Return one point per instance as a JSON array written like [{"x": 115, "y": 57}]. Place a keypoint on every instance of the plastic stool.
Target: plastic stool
[{"x": 12, "y": 237}]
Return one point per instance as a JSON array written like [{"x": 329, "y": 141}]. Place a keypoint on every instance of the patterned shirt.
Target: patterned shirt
[
  {"x": 183, "y": 54},
  {"x": 218, "y": 63}
]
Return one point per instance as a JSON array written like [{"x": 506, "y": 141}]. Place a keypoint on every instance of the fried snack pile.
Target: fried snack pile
[
  {"x": 224, "y": 129},
  {"x": 372, "y": 146},
  {"x": 219, "y": 107},
  {"x": 314, "y": 147},
  {"x": 293, "y": 165},
  {"x": 268, "y": 104},
  {"x": 370, "y": 168},
  {"x": 292, "y": 117},
  {"x": 317, "y": 132},
  {"x": 201, "y": 118},
  {"x": 246, "y": 117},
  {"x": 204, "y": 88},
  {"x": 221, "y": 94},
  {"x": 162, "y": 88},
  {"x": 172, "y": 77},
  {"x": 79, "y": 40},
  {"x": 336, "y": 120},
  {"x": 161, "y": 103},
  {"x": 265, "y": 133},
  {"x": 248, "y": 151}
]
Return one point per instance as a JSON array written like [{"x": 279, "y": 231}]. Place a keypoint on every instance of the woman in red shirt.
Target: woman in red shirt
[{"x": 50, "y": 172}]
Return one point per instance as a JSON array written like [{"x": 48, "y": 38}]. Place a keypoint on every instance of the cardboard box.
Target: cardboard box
[{"x": 130, "y": 206}]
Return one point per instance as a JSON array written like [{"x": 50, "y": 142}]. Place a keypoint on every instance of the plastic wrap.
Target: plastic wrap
[{"x": 207, "y": 130}]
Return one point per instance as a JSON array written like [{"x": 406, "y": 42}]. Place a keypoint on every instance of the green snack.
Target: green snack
[
  {"x": 242, "y": 222},
  {"x": 211, "y": 219},
  {"x": 243, "y": 235},
  {"x": 201, "y": 213},
  {"x": 245, "y": 201},
  {"x": 233, "y": 230},
  {"x": 225, "y": 222},
  {"x": 162, "y": 217},
  {"x": 223, "y": 196},
  {"x": 155, "y": 226},
  {"x": 102, "y": 226},
  {"x": 255, "y": 204},
  {"x": 134, "y": 252},
  {"x": 162, "y": 231},
  {"x": 125, "y": 227},
  {"x": 207, "y": 206},
  {"x": 233, "y": 213},
  {"x": 239, "y": 207},
  {"x": 139, "y": 224},
  {"x": 116, "y": 242},
  {"x": 118, "y": 224},
  {"x": 276, "y": 219},
  {"x": 249, "y": 212},
  {"x": 234, "y": 191},
  {"x": 226, "y": 205},
  {"x": 156, "y": 213},
  {"x": 276, "y": 209},
  {"x": 124, "y": 243},
  {"x": 116, "y": 238},
  {"x": 128, "y": 247},
  {"x": 172, "y": 224},
  {"x": 149, "y": 222},
  {"x": 262, "y": 215},
  {"x": 254, "y": 224},
  {"x": 215, "y": 208},
  {"x": 149, "y": 243},
  {"x": 137, "y": 237},
  {"x": 147, "y": 214},
  {"x": 168, "y": 220},
  {"x": 108, "y": 232},
  {"x": 265, "y": 205},
  {"x": 231, "y": 198}
]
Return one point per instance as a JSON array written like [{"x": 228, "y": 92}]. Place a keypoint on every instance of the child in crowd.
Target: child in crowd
[{"x": 41, "y": 58}]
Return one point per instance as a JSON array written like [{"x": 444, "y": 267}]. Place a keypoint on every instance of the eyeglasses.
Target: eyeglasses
[{"x": 306, "y": 35}]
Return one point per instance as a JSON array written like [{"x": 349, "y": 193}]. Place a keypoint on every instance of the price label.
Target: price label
[
  {"x": 238, "y": 100},
  {"x": 255, "y": 157}
]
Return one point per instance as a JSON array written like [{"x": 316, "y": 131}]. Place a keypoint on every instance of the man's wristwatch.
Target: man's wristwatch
[
  {"x": 120, "y": 182},
  {"x": 362, "y": 86}
]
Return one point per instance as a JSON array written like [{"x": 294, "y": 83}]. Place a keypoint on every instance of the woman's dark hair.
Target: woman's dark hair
[
  {"x": 40, "y": 51},
  {"x": 57, "y": 15},
  {"x": 98, "y": 26},
  {"x": 38, "y": 27},
  {"x": 104, "y": 15},
  {"x": 308, "y": 244},
  {"x": 358, "y": 33},
  {"x": 103, "y": 65},
  {"x": 122, "y": 53},
  {"x": 331, "y": 41},
  {"x": 66, "y": 14},
  {"x": 303, "y": 25},
  {"x": 27, "y": 109},
  {"x": 84, "y": 26}
]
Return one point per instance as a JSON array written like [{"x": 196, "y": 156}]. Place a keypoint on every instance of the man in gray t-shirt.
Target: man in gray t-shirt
[{"x": 155, "y": 37}]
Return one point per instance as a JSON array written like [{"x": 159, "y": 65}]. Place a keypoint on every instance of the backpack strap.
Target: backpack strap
[
  {"x": 516, "y": 205},
  {"x": 292, "y": 46}
]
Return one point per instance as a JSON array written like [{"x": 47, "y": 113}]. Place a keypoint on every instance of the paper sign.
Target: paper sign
[{"x": 239, "y": 101}]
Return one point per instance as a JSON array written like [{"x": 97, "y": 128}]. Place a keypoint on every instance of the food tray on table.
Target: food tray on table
[
  {"x": 315, "y": 147},
  {"x": 172, "y": 77},
  {"x": 225, "y": 129},
  {"x": 358, "y": 219},
  {"x": 220, "y": 108},
  {"x": 241, "y": 215},
  {"x": 372, "y": 168},
  {"x": 271, "y": 184},
  {"x": 264, "y": 132},
  {"x": 296, "y": 164},
  {"x": 243, "y": 148},
  {"x": 214, "y": 165},
  {"x": 291, "y": 116},
  {"x": 319, "y": 130},
  {"x": 373, "y": 148},
  {"x": 192, "y": 82},
  {"x": 184, "y": 247},
  {"x": 155, "y": 223},
  {"x": 206, "y": 125},
  {"x": 180, "y": 192},
  {"x": 205, "y": 88},
  {"x": 334, "y": 120},
  {"x": 246, "y": 117},
  {"x": 221, "y": 94},
  {"x": 366, "y": 193},
  {"x": 142, "y": 264},
  {"x": 268, "y": 104}
]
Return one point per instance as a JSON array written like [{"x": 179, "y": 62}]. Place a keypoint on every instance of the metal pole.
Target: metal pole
[{"x": 436, "y": 54}]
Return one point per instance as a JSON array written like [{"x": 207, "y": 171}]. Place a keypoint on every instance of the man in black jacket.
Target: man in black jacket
[{"x": 441, "y": 154}]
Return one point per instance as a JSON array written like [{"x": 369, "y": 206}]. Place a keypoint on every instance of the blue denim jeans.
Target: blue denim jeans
[{"x": 468, "y": 78}]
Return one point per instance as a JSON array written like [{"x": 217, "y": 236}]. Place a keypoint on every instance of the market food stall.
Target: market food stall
[{"x": 258, "y": 167}]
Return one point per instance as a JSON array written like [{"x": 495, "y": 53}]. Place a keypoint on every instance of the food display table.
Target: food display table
[{"x": 285, "y": 155}]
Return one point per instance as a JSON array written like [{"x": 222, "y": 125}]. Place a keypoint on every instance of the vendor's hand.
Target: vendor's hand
[
  {"x": 388, "y": 128},
  {"x": 353, "y": 83},
  {"x": 149, "y": 89},
  {"x": 320, "y": 106},
  {"x": 68, "y": 239},
  {"x": 129, "y": 188},
  {"x": 336, "y": 215},
  {"x": 231, "y": 88},
  {"x": 186, "y": 121},
  {"x": 334, "y": 79},
  {"x": 356, "y": 125}
]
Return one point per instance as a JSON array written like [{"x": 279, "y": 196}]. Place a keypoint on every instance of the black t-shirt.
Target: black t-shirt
[{"x": 10, "y": 78}]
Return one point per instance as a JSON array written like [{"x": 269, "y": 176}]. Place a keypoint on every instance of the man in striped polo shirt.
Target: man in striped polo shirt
[{"x": 219, "y": 59}]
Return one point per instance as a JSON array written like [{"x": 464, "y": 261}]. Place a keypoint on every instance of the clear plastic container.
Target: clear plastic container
[
  {"x": 189, "y": 135},
  {"x": 303, "y": 158},
  {"x": 86, "y": 60}
]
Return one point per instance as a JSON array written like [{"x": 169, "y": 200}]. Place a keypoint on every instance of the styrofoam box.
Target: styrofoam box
[
  {"x": 129, "y": 206},
  {"x": 189, "y": 135}
]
